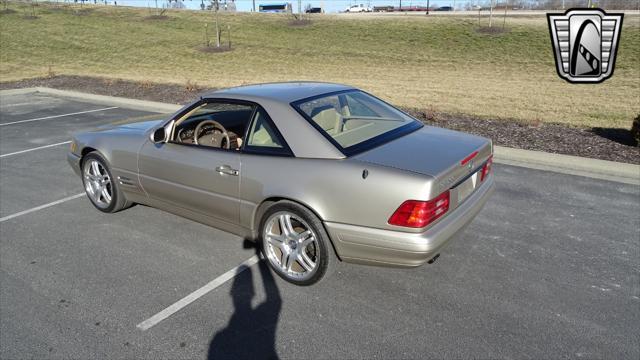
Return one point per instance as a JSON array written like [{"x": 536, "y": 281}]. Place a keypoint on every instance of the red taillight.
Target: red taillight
[
  {"x": 486, "y": 168},
  {"x": 468, "y": 158},
  {"x": 417, "y": 214}
]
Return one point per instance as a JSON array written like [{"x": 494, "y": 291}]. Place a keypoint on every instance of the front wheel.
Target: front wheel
[
  {"x": 295, "y": 243},
  {"x": 100, "y": 186}
]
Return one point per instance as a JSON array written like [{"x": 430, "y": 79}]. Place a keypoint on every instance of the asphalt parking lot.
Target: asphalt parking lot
[{"x": 549, "y": 269}]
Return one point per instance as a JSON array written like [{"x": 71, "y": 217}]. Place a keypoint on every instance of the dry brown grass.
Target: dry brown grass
[
  {"x": 439, "y": 63},
  {"x": 191, "y": 86},
  {"x": 50, "y": 72}
]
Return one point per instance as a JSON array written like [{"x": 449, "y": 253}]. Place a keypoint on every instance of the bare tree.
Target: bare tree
[
  {"x": 491, "y": 13},
  {"x": 216, "y": 9},
  {"x": 160, "y": 11},
  {"x": 301, "y": 18},
  {"x": 31, "y": 13},
  {"x": 504, "y": 20}
]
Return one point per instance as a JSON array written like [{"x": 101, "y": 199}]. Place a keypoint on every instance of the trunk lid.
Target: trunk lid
[{"x": 435, "y": 152}]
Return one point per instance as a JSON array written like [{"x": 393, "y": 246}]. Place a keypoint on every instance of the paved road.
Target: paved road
[{"x": 549, "y": 269}]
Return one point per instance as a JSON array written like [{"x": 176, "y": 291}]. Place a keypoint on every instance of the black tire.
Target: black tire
[
  {"x": 118, "y": 201},
  {"x": 323, "y": 249}
]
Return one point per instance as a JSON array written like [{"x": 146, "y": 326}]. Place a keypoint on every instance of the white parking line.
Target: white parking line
[
  {"x": 175, "y": 307},
  {"x": 34, "y": 149},
  {"x": 29, "y": 211},
  {"x": 11, "y": 105},
  {"x": 57, "y": 116}
]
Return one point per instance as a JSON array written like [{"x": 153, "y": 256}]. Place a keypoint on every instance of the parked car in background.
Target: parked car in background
[
  {"x": 358, "y": 8},
  {"x": 387, "y": 8},
  {"x": 314, "y": 10},
  {"x": 314, "y": 172},
  {"x": 444, "y": 8}
]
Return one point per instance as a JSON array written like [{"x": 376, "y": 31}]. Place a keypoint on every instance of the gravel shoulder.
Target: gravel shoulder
[{"x": 611, "y": 144}]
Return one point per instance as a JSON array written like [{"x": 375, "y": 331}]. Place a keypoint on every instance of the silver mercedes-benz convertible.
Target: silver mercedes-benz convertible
[{"x": 314, "y": 172}]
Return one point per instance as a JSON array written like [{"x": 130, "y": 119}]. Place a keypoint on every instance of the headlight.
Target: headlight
[{"x": 74, "y": 146}]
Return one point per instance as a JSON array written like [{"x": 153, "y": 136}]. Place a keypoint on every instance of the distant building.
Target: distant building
[
  {"x": 223, "y": 5},
  {"x": 177, "y": 4},
  {"x": 276, "y": 8}
]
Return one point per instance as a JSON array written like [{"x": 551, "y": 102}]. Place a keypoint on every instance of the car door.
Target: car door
[
  {"x": 194, "y": 178},
  {"x": 263, "y": 151},
  {"x": 198, "y": 178}
]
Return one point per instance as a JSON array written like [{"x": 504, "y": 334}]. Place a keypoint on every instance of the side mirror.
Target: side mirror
[{"x": 158, "y": 136}]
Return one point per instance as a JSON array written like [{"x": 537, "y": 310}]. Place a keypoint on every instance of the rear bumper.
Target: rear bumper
[
  {"x": 372, "y": 246},
  {"x": 74, "y": 161}
]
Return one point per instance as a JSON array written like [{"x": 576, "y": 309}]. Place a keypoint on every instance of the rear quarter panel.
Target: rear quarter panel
[{"x": 333, "y": 188}]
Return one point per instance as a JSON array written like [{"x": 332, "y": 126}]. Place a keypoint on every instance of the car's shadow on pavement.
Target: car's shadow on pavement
[{"x": 251, "y": 331}]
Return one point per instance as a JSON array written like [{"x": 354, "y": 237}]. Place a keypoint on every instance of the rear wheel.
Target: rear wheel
[
  {"x": 295, "y": 243},
  {"x": 100, "y": 186}
]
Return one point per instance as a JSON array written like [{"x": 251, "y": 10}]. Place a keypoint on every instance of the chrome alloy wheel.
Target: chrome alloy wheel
[
  {"x": 97, "y": 183},
  {"x": 291, "y": 245}
]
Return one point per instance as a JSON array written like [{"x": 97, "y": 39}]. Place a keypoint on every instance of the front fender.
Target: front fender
[{"x": 119, "y": 150}]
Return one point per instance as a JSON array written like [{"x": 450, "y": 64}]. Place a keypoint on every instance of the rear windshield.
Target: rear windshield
[{"x": 354, "y": 120}]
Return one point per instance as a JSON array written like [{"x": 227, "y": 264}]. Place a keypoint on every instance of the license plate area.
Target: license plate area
[{"x": 467, "y": 187}]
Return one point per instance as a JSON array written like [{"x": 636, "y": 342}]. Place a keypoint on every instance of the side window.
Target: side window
[
  {"x": 216, "y": 124},
  {"x": 358, "y": 108},
  {"x": 325, "y": 112},
  {"x": 313, "y": 107},
  {"x": 263, "y": 137},
  {"x": 262, "y": 134}
]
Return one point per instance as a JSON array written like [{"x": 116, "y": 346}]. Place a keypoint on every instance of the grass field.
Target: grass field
[{"x": 438, "y": 63}]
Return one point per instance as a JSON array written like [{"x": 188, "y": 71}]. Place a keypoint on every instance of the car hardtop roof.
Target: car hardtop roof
[{"x": 281, "y": 91}]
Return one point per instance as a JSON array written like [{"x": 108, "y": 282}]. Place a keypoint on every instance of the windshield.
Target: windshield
[{"x": 354, "y": 118}]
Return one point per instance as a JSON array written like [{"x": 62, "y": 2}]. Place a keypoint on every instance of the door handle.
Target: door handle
[{"x": 226, "y": 169}]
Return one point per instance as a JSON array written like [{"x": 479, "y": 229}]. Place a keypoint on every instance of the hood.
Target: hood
[
  {"x": 134, "y": 127},
  {"x": 432, "y": 151}
]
